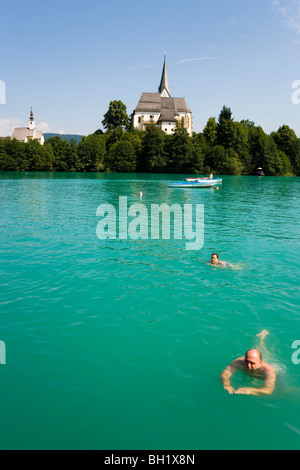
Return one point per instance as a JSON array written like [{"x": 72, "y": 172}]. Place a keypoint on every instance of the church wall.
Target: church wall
[
  {"x": 142, "y": 119},
  {"x": 168, "y": 127},
  {"x": 186, "y": 118}
]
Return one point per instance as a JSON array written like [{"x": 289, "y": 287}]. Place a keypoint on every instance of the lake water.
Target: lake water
[{"x": 119, "y": 344}]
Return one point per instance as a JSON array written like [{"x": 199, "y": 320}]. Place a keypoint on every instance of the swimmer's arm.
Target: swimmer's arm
[
  {"x": 269, "y": 383},
  {"x": 226, "y": 264},
  {"x": 267, "y": 389},
  {"x": 227, "y": 373},
  {"x": 253, "y": 391},
  {"x": 231, "y": 266}
]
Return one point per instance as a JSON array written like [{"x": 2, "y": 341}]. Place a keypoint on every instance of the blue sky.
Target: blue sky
[{"x": 68, "y": 59}]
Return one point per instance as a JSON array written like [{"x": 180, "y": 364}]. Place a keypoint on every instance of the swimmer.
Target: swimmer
[
  {"x": 215, "y": 261},
  {"x": 252, "y": 365}
]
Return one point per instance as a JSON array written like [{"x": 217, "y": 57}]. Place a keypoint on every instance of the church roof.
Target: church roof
[
  {"x": 167, "y": 107},
  {"x": 181, "y": 105},
  {"x": 149, "y": 102},
  {"x": 168, "y": 110},
  {"x": 22, "y": 133}
]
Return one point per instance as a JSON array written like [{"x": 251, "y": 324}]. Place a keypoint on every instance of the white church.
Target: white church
[
  {"x": 162, "y": 109},
  {"x": 25, "y": 134}
]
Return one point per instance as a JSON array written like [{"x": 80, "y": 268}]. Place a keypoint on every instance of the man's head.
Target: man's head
[
  {"x": 253, "y": 359},
  {"x": 214, "y": 258}
]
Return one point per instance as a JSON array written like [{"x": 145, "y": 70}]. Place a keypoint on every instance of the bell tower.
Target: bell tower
[{"x": 31, "y": 120}]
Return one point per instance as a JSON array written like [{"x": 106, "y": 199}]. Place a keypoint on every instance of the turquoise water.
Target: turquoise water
[{"x": 119, "y": 344}]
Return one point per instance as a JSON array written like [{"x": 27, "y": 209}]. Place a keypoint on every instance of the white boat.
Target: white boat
[
  {"x": 213, "y": 180},
  {"x": 191, "y": 184}
]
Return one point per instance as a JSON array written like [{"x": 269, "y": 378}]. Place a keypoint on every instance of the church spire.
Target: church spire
[
  {"x": 164, "y": 87},
  {"x": 31, "y": 120}
]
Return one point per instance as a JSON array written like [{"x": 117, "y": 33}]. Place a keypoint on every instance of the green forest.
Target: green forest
[{"x": 225, "y": 147}]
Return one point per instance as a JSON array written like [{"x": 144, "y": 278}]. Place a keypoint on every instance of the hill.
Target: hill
[{"x": 67, "y": 137}]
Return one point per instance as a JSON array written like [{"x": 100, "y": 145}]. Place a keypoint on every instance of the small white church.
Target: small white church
[
  {"x": 25, "y": 134},
  {"x": 162, "y": 109}
]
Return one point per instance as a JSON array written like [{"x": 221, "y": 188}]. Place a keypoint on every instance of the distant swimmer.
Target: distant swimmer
[
  {"x": 215, "y": 261},
  {"x": 252, "y": 365}
]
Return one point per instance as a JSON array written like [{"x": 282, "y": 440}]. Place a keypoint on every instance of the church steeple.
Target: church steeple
[
  {"x": 164, "y": 87},
  {"x": 31, "y": 120}
]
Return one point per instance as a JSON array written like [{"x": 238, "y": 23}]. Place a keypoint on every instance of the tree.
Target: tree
[
  {"x": 116, "y": 116},
  {"x": 215, "y": 159},
  {"x": 199, "y": 149},
  {"x": 12, "y": 155},
  {"x": 154, "y": 158},
  {"x": 72, "y": 157},
  {"x": 121, "y": 157},
  {"x": 38, "y": 157},
  {"x": 210, "y": 131},
  {"x": 91, "y": 152},
  {"x": 265, "y": 153},
  {"x": 232, "y": 164},
  {"x": 240, "y": 146},
  {"x": 135, "y": 137},
  {"x": 181, "y": 150},
  {"x": 287, "y": 141},
  {"x": 60, "y": 149},
  {"x": 225, "y": 128}
]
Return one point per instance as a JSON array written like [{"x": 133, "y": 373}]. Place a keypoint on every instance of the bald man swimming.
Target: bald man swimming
[{"x": 253, "y": 365}]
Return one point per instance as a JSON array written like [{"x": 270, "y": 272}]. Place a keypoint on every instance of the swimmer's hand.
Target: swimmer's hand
[{"x": 229, "y": 389}]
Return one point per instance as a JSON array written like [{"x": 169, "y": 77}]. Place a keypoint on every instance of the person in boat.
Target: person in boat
[{"x": 252, "y": 365}]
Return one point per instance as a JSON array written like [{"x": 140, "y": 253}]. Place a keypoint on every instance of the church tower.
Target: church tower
[
  {"x": 164, "y": 87},
  {"x": 31, "y": 120}
]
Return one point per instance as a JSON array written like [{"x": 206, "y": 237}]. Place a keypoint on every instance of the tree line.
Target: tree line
[{"x": 225, "y": 146}]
